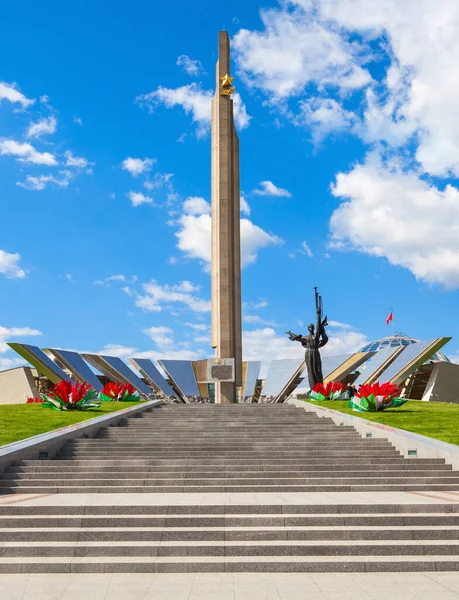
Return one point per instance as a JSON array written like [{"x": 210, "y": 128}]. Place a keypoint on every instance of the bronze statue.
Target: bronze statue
[{"x": 312, "y": 342}]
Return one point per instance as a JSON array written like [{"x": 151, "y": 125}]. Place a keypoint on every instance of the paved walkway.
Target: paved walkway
[{"x": 228, "y": 586}]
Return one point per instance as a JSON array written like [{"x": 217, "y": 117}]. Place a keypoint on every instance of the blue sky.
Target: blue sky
[{"x": 349, "y": 131}]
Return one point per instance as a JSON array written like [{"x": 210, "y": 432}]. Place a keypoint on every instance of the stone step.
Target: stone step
[
  {"x": 276, "y": 461},
  {"x": 249, "y": 534},
  {"x": 212, "y": 510},
  {"x": 234, "y": 548},
  {"x": 408, "y": 467},
  {"x": 372, "y": 453},
  {"x": 235, "y": 479},
  {"x": 112, "y": 519},
  {"x": 203, "y": 489},
  {"x": 226, "y": 474},
  {"x": 253, "y": 445},
  {"x": 249, "y": 564}
]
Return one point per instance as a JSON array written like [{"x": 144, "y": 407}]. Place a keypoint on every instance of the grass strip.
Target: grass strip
[
  {"x": 437, "y": 420},
  {"x": 21, "y": 421}
]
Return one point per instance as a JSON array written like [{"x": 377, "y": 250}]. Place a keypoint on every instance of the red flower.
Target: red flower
[
  {"x": 68, "y": 392},
  {"x": 386, "y": 390},
  {"x": 118, "y": 389},
  {"x": 329, "y": 388}
]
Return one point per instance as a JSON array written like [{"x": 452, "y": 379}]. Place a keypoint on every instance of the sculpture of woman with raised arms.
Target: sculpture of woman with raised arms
[{"x": 316, "y": 339}]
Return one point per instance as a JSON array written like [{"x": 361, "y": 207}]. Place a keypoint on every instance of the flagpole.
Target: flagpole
[{"x": 393, "y": 322}]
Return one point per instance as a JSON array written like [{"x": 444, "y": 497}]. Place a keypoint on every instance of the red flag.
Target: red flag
[{"x": 389, "y": 318}]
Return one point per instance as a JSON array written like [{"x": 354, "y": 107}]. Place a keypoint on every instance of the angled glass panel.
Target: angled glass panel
[
  {"x": 77, "y": 366},
  {"x": 38, "y": 359},
  {"x": 251, "y": 376},
  {"x": 182, "y": 373},
  {"x": 121, "y": 367},
  {"x": 409, "y": 354},
  {"x": 331, "y": 363},
  {"x": 117, "y": 370},
  {"x": 151, "y": 374},
  {"x": 279, "y": 374},
  {"x": 375, "y": 363}
]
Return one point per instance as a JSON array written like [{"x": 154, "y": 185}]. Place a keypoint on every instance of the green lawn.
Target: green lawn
[
  {"x": 434, "y": 419},
  {"x": 20, "y": 421}
]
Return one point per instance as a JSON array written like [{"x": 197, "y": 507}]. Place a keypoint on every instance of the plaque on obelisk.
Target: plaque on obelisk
[{"x": 226, "y": 237}]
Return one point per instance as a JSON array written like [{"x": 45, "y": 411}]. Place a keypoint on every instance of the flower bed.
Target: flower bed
[
  {"x": 71, "y": 396},
  {"x": 371, "y": 398},
  {"x": 329, "y": 391}
]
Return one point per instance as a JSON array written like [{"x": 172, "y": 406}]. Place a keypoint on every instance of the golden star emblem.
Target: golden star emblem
[{"x": 227, "y": 81}]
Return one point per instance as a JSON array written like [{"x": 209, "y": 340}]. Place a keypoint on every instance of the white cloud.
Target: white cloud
[
  {"x": 257, "y": 320},
  {"x": 157, "y": 296},
  {"x": 162, "y": 336},
  {"x": 194, "y": 238},
  {"x": 324, "y": 116},
  {"x": 266, "y": 345},
  {"x": 10, "y": 363},
  {"x": 9, "y": 265},
  {"x": 137, "y": 166},
  {"x": 422, "y": 83},
  {"x": 78, "y": 121},
  {"x": 137, "y": 198},
  {"x": 9, "y": 334},
  {"x": 76, "y": 161},
  {"x": 198, "y": 326},
  {"x": 129, "y": 352},
  {"x": 186, "y": 286},
  {"x": 306, "y": 249},
  {"x": 390, "y": 213},
  {"x": 294, "y": 50},
  {"x": 159, "y": 181},
  {"x": 316, "y": 47},
  {"x": 195, "y": 102},
  {"x": 253, "y": 239},
  {"x": 115, "y": 278},
  {"x": 9, "y": 91},
  {"x": 44, "y": 99},
  {"x": 42, "y": 127},
  {"x": 189, "y": 65},
  {"x": 196, "y": 205},
  {"x": 267, "y": 188},
  {"x": 26, "y": 153},
  {"x": 69, "y": 277},
  {"x": 117, "y": 350},
  {"x": 241, "y": 117},
  {"x": 40, "y": 182},
  {"x": 245, "y": 208},
  {"x": 339, "y": 325},
  {"x": 255, "y": 305}
]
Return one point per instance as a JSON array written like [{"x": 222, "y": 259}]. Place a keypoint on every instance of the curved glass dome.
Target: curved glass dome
[{"x": 398, "y": 339}]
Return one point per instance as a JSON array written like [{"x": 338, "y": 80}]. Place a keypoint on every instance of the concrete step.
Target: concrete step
[
  {"x": 249, "y": 564},
  {"x": 226, "y": 474},
  {"x": 158, "y": 520},
  {"x": 408, "y": 468},
  {"x": 234, "y": 548},
  {"x": 249, "y": 534},
  {"x": 276, "y": 461},
  {"x": 179, "y": 489}
]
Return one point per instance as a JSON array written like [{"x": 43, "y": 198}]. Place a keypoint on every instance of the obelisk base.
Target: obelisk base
[{"x": 225, "y": 393}]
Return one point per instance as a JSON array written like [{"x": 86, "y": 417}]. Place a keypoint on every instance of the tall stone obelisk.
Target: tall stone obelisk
[{"x": 226, "y": 236}]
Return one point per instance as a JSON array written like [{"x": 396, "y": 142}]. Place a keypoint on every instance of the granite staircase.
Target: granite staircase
[{"x": 177, "y": 457}]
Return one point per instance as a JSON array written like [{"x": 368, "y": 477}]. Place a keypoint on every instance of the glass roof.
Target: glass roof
[{"x": 398, "y": 339}]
